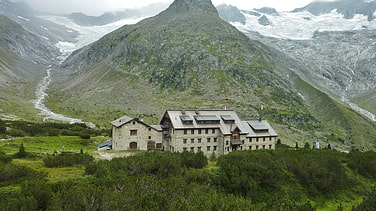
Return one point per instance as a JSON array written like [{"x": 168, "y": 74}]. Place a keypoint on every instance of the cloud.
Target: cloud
[
  {"x": 97, "y": 7},
  {"x": 89, "y": 7}
]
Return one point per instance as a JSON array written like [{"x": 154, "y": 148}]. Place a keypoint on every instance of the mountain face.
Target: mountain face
[
  {"x": 29, "y": 19},
  {"x": 110, "y": 17},
  {"x": 23, "y": 57},
  {"x": 348, "y": 8},
  {"x": 337, "y": 49},
  {"x": 230, "y": 13},
  {"x": 186, "y": 57},
  {"x": 25, "y": 44}
]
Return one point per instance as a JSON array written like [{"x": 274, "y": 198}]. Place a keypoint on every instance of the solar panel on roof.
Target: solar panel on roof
[
  {"x": 186, "y": 118},
  {"x": 258, "y": 125},
  {"x": 227, "y": 118},
  {"x": 207, "y": 118}
]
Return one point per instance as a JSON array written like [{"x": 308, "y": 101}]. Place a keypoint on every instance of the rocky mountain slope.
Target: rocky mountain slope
[
  {"x": 187, "y": 56},
  {"x": 23, "y": 57},
  {"x": 336, "y": 40},
  {"x": 22, "y": 14}
]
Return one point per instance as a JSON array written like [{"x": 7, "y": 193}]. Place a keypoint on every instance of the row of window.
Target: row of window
[
  {"x": 199, "y": 140},
  {"x": 200, "y": 131},
  {"x": 251, "y": 147},
  {"x": 199, "y": 149},
  {"x": 261, "y": 139}
]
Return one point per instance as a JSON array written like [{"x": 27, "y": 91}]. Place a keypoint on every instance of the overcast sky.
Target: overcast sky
[{"x": 97, "y": 7}]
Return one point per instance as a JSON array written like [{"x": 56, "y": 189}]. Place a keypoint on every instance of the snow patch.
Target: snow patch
[
  {"x": 22, "y": 18},
  {"x": 87, "y": 34},
  {"x": 303, "y": 25},
  {"x": 44, "y": 28}
]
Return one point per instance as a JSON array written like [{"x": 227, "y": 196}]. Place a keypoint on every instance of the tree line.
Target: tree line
[{"x": 282, "y": 179}]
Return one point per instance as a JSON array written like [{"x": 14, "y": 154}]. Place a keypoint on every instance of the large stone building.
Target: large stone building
[{"x": 209, "y": 131}]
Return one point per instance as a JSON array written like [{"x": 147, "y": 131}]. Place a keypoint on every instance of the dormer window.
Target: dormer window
[
  {"x": 187, "y": 120},
  {"x": 228, "y": 119},
  {"x": 208, "y": 119}
]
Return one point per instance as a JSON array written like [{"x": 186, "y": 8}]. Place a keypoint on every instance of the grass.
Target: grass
[
  {"x": 51, "y": 144},
  {"x": 53, "y": 174}
]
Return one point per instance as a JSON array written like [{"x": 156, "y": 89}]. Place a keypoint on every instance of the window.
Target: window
[
  {"x": 199, "y": 140},
  {"x": 263, "y": 146},
  {"x": 199, "y": 131},
  {"x": 270, "y": 146},
  {"x": 215, "y": 148},
  {"x": 184, "y": 148},
  {"x": 134, "y": 123},
  {"x": 149, "y": 128},
  {"x": 208, "y": 140},
  {"x": 199, "y": 149},
  {"x": 192, "y": 141},
  {"x": 226, "y": 142},
  {"x": 184, "y": 141},
  {"x": 133, "y": 132},
  {"x": 185, "y": 132},
  {"x": 256, "y": 147},
  {"x": 159, "y": 145},
  {"x": 250, "y": 147},
  {"x": 215, "y": 140},
  {"x": 208, "y": 148},
  {"x": 149, "y": 137},
  {"x": 206, "y": 131},
  {"x": 192, "y": 149},
  {"x": 213, "y": 131},
  {"x": 250, "y": 140},
  {"x": 257, "y": 139},
  {"x": 192, "y": 131}
]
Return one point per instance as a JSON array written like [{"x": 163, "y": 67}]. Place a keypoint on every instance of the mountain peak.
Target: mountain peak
[{"x": 183, "y": 6}]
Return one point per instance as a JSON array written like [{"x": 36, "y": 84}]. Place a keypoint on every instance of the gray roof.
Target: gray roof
[
  {"x": 126, "y": 119},
  {"x": 107, "y": 143},
  {"x": 206, "y": 118},
  {"x": 258, "y": 125},
  {"x": 121, "y": 121},
  {"x": 219, "y": 117},
  {"x": 156, "y": 127}
]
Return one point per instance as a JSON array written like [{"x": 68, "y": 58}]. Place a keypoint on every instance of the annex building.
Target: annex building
[{"x": 209, "y": 131}]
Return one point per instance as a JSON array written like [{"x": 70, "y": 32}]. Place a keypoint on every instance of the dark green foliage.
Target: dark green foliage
[
  {"x": 67, "y": 159},
  {"x": 22, "y": 128},
  {"x": 363, "y": 163},
  {"x": 193, "y": 160},
  {"x": 257, "y": 175},
  {"x": 319, "y": 171},
  {"x": 39, "y": 190},
  {"x": 283, "y": 180},
  {"x": 368, "y": 203},
  {"x": 21, "y": 152},
  {"x": 4, "y": 158},
  {"x": 283, "y": 173}
]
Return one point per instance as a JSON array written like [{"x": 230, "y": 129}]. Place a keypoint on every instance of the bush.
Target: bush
[
  {"x": 4, "y": 158},
  {"x": 193, "y": 160},
  {"x": 67, "y": 159},
  {"x": 21, "y": 152}
]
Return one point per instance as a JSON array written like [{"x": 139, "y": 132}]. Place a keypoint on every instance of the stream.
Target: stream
[{"x": 44, "y": 111}]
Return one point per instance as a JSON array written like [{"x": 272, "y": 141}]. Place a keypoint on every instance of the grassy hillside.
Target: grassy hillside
[
  {"x": 23, "y": 60},
  {"x": 367, "y": 101}
]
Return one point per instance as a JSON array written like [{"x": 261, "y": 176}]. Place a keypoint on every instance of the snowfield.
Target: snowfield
[
  {"x": 302, "y": 25},
  {"x": 87, "y": 34}
]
